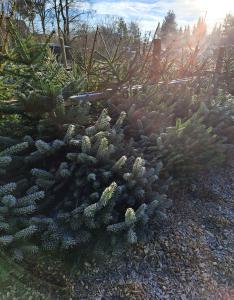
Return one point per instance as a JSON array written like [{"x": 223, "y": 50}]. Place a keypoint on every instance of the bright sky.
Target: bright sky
[{"x": 149, "y": 12}]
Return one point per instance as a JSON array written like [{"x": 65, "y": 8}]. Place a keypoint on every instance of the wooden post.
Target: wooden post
[
  {"x": 155, "y": 66},
  {"x": 64, "y": 56},
  {"x": 219, "y": 62},
  {"x": 4, "y": 32},
  {"x": 218, "y": 68}
]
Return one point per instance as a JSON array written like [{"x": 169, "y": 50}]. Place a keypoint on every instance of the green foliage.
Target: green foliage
[
  {"x": 6, "y": 89},
  {"x": 183, "y": 125},
  {"x": 186, "y": 148},
  {"x": 11, "y": 125},
  {"x": 155, "y": 108},
  {"x": 35, "y": 74},
  {"x": 220, "y": 115},
  {"x": 31, "y": 75}
]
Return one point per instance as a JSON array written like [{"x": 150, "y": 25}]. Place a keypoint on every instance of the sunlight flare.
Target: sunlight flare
[{"x": 215, "y": 9}]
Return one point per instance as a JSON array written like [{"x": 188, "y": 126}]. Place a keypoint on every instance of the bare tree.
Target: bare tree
[
  {"x": 26, "y": 9},
  {"x": 42, "y": 9},
  {"x": 66, "y": 13}
]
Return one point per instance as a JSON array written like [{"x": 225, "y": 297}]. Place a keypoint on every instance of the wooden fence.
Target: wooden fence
[{"x": 154, "y": 74}]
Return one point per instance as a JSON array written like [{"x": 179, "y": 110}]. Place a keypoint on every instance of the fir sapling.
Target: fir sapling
[
  {"x": 16, "y": 232},
  {"x": 101, "y": 185},
  {"x": 79, "y": 187}
]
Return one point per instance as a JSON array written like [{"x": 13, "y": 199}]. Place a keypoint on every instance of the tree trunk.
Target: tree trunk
[
  {"x": 43, "y": 25},
  {"x": 67, "y": 22},
  {"x": 57, "y": 15},
  {"x": 33, "y": 27}
]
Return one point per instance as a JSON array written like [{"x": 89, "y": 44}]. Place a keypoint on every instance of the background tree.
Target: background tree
[
  {"x": 169, "y": 26},
  {"x": 134, "y": 35},
  {"x": 42, "y": 9},
  {"x": 66, "y": 14},
  {"x": 228, "y": 30},
  {"x": 199, "y": 32},
  {"x": 122, "y": 29},
  {"x": 26, "y": 9},
  {"x": 215, "y": 35}
]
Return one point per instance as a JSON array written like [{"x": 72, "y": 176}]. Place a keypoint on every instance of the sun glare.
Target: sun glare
[{"x": 216, "y": 10}]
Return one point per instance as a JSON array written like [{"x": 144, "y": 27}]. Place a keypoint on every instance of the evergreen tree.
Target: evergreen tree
[
  {"x": 122, "y": 29},
  {"x": 187, "y": 34},
  {"x": 199, "y": 31},
  {"x": 216, "y": 35},
  {"x": 134, "y": 36},
  {"x": 92, "y": 193},
  {"x": 228, "y": 30},
  {"x": 169, "y": 27}
]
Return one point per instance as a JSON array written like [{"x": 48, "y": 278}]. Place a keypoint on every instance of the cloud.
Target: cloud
[
  {"x": 146, "y": 12},
  {"x": 149, "y": 12}
]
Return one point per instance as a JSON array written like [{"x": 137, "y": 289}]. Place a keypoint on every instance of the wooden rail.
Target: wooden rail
[{"x": 96, "y": 96}]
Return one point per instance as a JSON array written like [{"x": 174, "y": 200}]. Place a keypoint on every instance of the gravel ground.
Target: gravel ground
[{"x": 191, "y": 256}]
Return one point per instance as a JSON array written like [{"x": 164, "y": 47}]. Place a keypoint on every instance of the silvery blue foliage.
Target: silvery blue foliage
[{"x": 79, "y": 189}]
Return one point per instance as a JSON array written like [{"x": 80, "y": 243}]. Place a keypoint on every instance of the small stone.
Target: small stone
[{"x": 88, "y": 265}]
